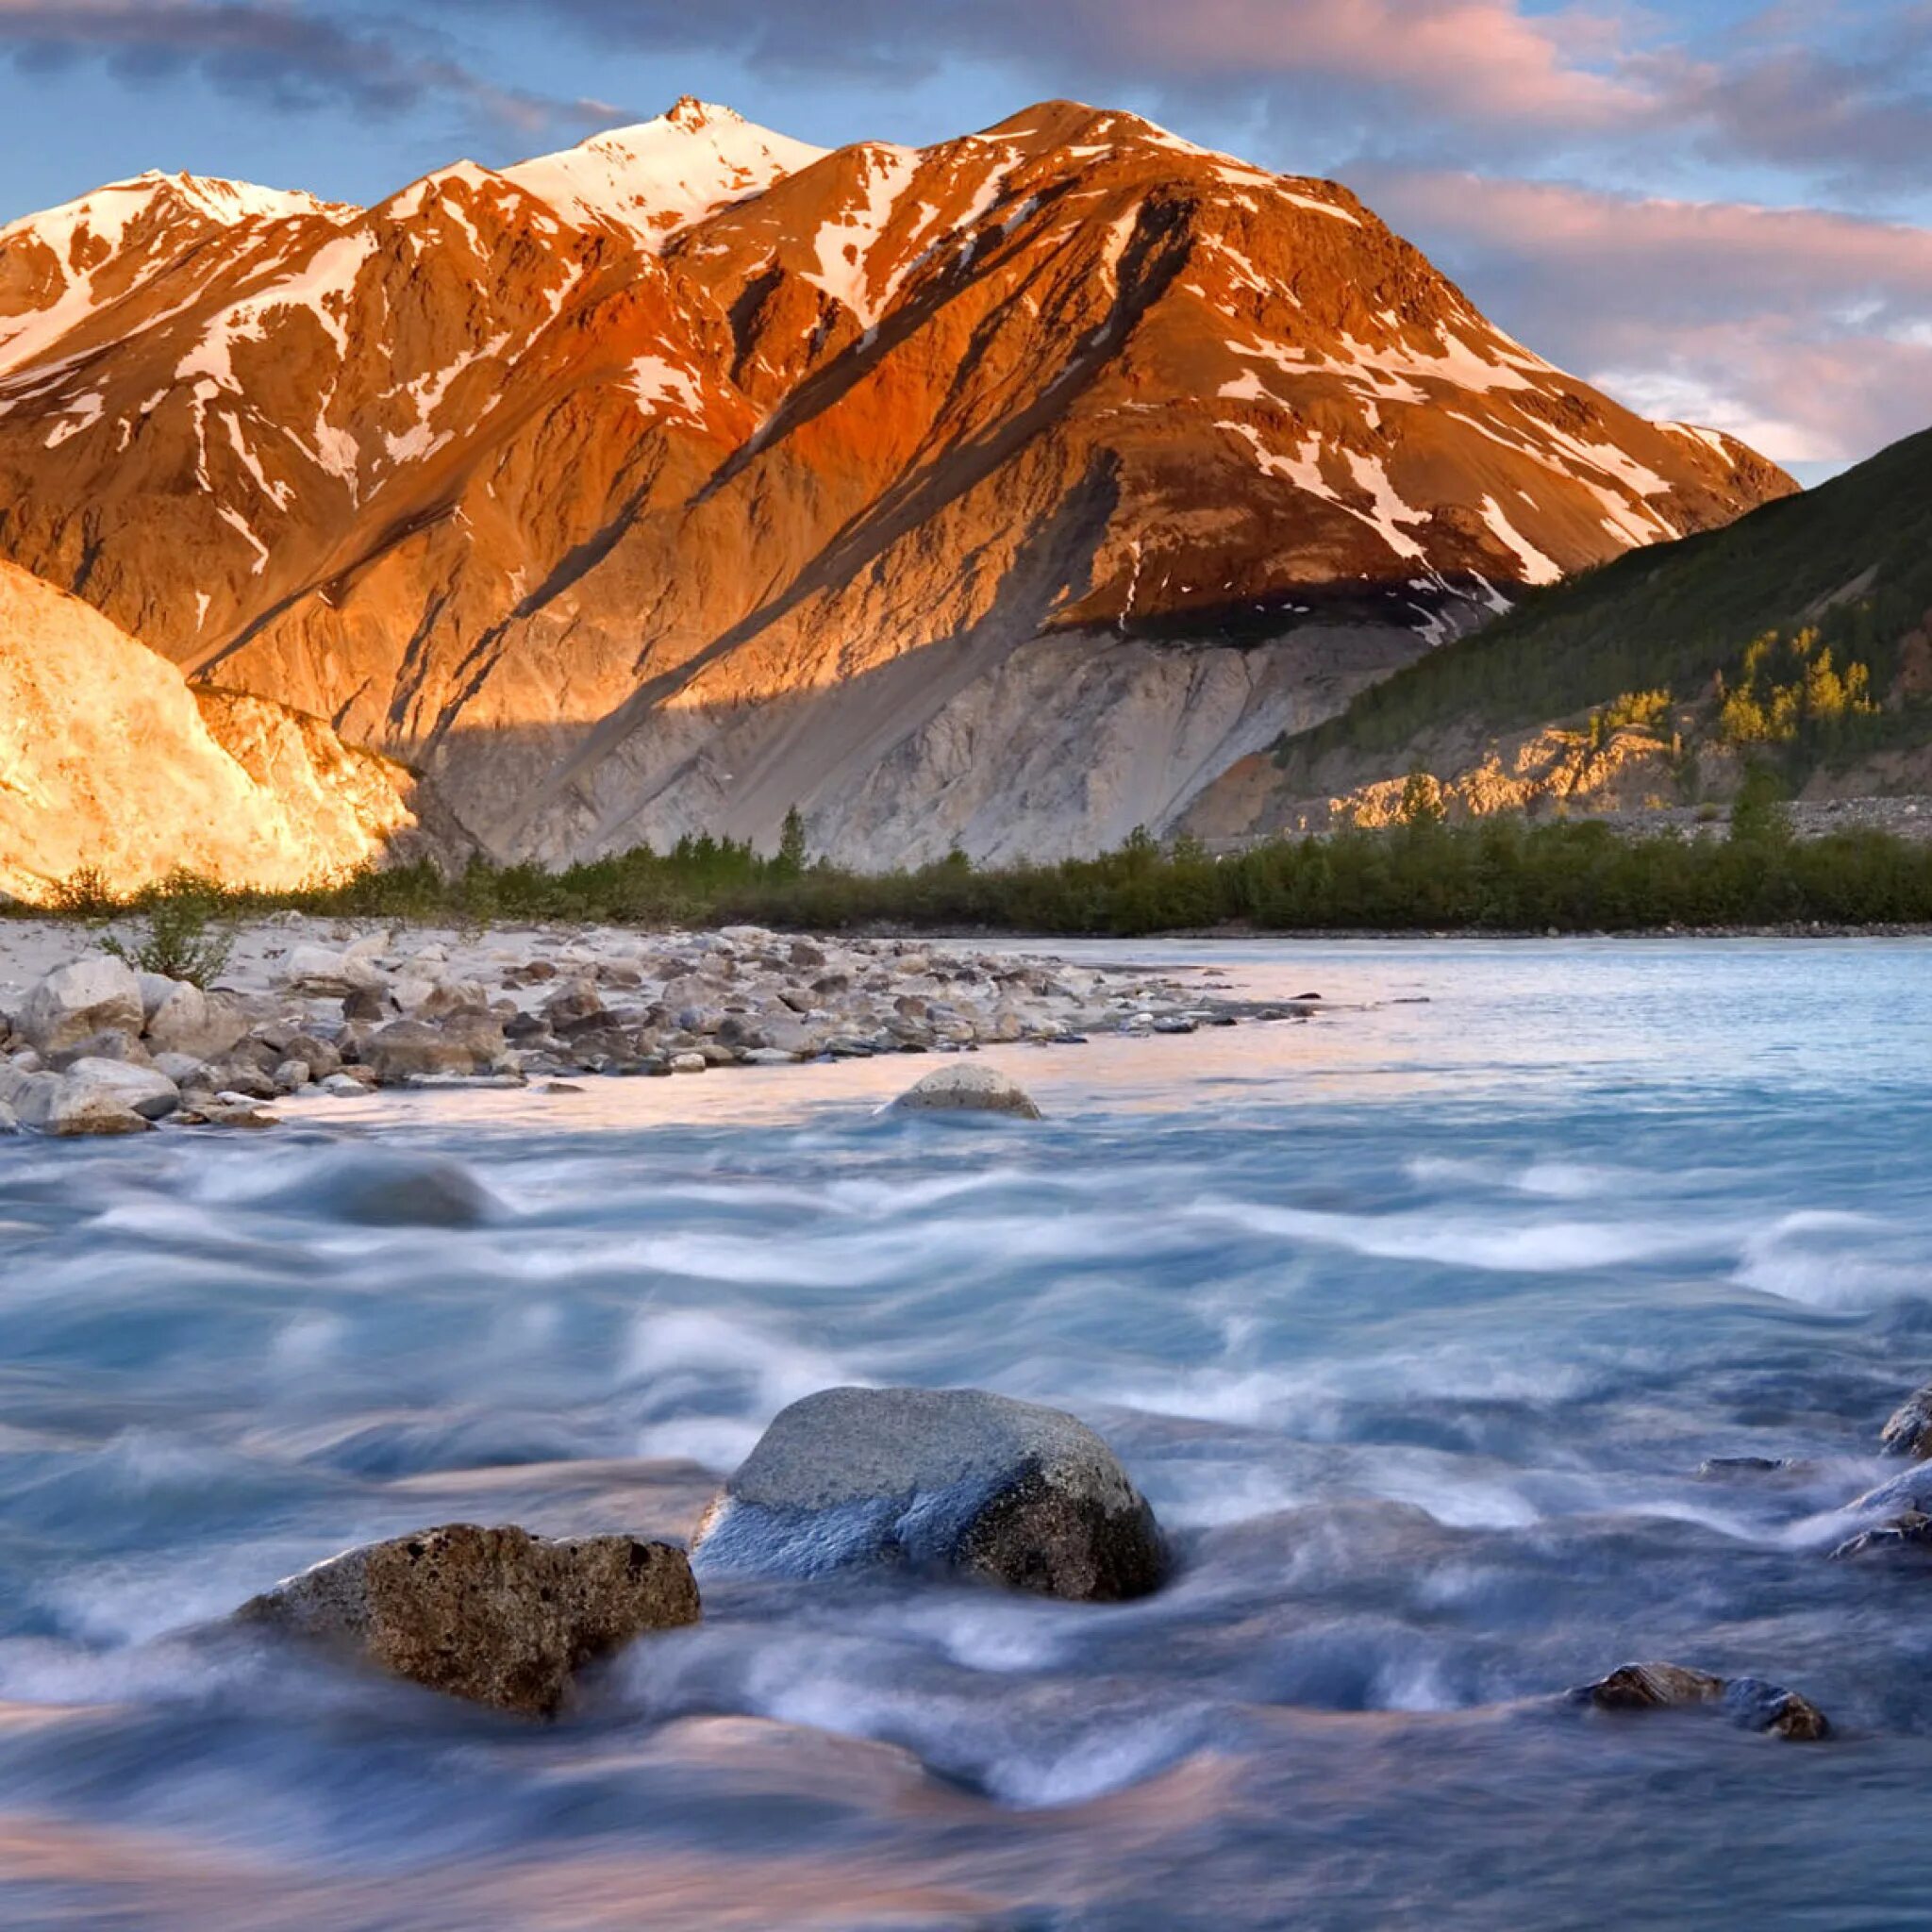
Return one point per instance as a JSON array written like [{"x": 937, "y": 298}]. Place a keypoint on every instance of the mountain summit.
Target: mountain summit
[{"x": 1001, "y": 491}]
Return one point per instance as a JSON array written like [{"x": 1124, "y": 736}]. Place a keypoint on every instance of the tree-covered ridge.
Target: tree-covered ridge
[{"x": 1847, "y": 567}]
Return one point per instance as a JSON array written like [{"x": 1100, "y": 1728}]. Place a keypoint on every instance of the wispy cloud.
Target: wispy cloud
[
  {"x": 275, "y": 52},
  {"x": 1807, "y": 332}
]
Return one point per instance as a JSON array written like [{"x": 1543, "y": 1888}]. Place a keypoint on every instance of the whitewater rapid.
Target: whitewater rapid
[{"x": 1415, "y": 1324}]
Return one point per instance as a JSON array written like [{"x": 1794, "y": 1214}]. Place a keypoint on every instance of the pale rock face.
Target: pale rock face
[
  {"x": 76, "y": 692},
  {"x": 1001, "y": 491}
]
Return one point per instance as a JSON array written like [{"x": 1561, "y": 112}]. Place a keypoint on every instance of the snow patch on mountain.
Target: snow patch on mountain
[{"x": 659, "y": 176}]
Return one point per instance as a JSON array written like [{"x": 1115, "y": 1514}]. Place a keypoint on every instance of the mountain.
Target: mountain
[
  {"x": 108, "y": 759},
  {"x": 1799, "y": 637},
  {"x": 998, "y": 492}
]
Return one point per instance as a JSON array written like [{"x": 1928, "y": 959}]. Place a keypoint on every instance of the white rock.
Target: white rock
[
  {"x": 969, "y": 1089},
  {"x": 59, "y": 1105},
  {"x": 92, "y": 995},
  {"x": 145, "y": 1091},
  {"x": 342, "y": 1087},
  {"x": 154, "y": 988},
  {"x": 317, "y": 970},
  {"x": 189, "y": 1020},
  {"x": 410, "y": 990},
  {"x": 689, "y": 1063}
]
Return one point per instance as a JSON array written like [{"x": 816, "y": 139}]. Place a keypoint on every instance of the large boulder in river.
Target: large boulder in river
[
  {"x": 498, "y": 1616},
  {"x": 145, "y": 1091},
  {"x": 1747, "y": 1702},
  {"x": 968, "y": 1088},
  {"x": 66, "y": 1106},
  {"x": 1909, "y": 1431},
  {"x": 99, "y": 995},
  {"x": 941, "y": 1480},
  {"x": 414, "y": 1049}
]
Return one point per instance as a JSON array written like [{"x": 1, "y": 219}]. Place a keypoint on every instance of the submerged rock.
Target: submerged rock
[
  {"x": 1747, "y": 1702},
  {"x": 498, "y": 1616},
  {"x": 1909, "y": 1431},
  {"x": 1909, "y": 1528},
  {"x": 393, "y": 1189},
  {"x": 969, "y": 1089},
  {"x": 947, "y": 1480}
]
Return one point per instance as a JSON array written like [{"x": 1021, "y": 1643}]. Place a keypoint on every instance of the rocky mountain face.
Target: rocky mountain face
[
  {"x": 109, "y": 759},
  {"x": 1000, "y": 492}
]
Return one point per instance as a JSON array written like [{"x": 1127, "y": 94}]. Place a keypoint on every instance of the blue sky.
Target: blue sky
[{"x": 1717, "y": 210}]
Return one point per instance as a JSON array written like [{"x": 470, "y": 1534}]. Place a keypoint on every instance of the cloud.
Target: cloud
[
  {"x": 1836, "y": 88},
  {"x": 1470, "y": 59},
  {"x": 1808, "y": 333},
  {"x": 283, "y": 56}
]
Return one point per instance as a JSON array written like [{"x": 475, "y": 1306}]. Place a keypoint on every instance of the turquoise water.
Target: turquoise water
[{"x": 1415, "y": 1322}]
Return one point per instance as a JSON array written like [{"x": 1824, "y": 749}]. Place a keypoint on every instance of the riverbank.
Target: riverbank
[
  {"x": 90, "y": 1044},
  {"x": 1501, "y": 874}
]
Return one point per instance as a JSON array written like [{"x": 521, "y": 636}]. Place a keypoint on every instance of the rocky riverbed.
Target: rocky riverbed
[{"x": 93, "y": 1045}]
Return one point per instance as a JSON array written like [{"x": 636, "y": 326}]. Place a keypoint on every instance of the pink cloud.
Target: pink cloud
[
  {"x": 1806, "y": 331},
  {"x": 1466, "y": 56}
]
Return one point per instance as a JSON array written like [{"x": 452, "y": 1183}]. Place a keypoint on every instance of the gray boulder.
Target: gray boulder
[
  {"x": 201, "y": 1025},
  {"x": 941, "y": 1480},
  {"x": 410, "y": 1049},
  {"x": 67, "y": 1108},
  {"x": 498, "y": 1616},
  {"x": 1747, "y": 1702},
  {"x": 99, "y": 995},
  {"x": 101, "y": 1046},
  {"x": 968, "y": 1088},
  {"x": 145, "y": 1091},
  {"x": 1909, "y": 1431}
]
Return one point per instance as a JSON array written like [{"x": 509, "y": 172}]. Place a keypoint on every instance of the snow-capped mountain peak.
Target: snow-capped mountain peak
[{"x": 661, "y": 175}]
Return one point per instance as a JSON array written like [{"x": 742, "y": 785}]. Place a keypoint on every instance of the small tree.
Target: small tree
[
  {"x": 190, "y": 929},
  {"x": 1422, "y": 807},
  {"x": 1759, "y": 813},
  {"x": 792, "y": 855}
]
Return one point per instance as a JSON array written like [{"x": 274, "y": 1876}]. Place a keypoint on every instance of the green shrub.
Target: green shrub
[{"x": 190, "y": 929}]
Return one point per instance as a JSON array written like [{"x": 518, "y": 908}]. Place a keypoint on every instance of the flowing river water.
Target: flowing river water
[{"x": 1415, "y": 1324}]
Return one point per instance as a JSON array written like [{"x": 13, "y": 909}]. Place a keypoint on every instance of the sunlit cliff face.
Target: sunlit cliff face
[
  {"x": 692, "y": 474},
  {"x": 110, "y": 763}
]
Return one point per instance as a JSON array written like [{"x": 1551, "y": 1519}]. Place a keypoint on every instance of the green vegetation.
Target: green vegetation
[
  {"x": 1846, "y": 567},
  {"x": 1818, "y": 707},
  {"x": 1500, "y": 875},
  {"x": 188, "y": 923}
]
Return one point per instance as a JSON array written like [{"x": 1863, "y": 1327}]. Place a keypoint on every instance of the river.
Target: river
[{"x": 1414, "y": 1322}]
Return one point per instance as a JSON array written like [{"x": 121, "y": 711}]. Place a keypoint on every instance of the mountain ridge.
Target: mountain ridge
[
  {"x": 1798, "y": 638},
  {"x": 635, "y": 516}
]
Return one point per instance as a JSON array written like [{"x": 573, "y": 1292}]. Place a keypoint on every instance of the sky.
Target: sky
[{"x": 1716, "y": 210}]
